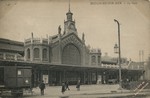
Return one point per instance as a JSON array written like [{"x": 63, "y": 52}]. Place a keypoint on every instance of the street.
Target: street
[{"x": 86, "y": 91}]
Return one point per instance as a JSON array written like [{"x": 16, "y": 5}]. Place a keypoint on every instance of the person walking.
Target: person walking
[
  {"x": 78, "y": 85},
  {"x": 67, "y": 85},
  {"x": 42, "y": 87},
  {"x": 63, "y": 88}
]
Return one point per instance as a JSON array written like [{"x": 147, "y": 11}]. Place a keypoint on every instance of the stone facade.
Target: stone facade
[
  {"x": 63, "y": 48},
  {"x": 95, "y": 57},
  {"x": 36, "y": 50}
]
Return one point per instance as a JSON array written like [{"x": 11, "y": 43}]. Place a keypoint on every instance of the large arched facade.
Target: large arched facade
[{"x": 71, "y": 55}]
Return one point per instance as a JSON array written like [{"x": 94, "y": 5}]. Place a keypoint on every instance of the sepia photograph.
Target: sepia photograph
[{"x": 74, "y": 48}]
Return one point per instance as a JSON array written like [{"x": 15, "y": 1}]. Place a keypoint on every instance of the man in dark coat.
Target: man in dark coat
[
  {"x": 63, "y": 88},
  {"x": 67, "y": 85},
  {"x": 42, "y": 87}
]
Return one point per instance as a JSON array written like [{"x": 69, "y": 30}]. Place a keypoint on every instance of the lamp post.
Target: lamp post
[{"x": 117, "y": 50}]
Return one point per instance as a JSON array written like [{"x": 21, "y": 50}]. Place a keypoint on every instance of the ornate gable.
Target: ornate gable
[
  {"x": 72, "y": 50},
  {"x": 72, "y": 39}
]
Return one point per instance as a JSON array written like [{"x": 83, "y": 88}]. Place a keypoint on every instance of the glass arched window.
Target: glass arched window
[
  {"x": 28, "y": 53},
  {"x": 93, "y": 59},
  {"x": 99, "y": 59},
  {"x": 71, "y": 55},
  {"x": 44, "y": 53},
  {"x": 36, "y": 53}
]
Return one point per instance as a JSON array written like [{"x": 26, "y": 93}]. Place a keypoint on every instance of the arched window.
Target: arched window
[
  {"x": 71, "y": 55},
  {"x": 99, "y": 59},
  {"x": 36, "y": 53},
  {"x": 28, "y": 53},
  {"x": 44, "y": 53},
  {"x": 93, "y": 59}
]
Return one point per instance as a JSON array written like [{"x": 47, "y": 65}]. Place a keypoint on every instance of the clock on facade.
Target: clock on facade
[{"x": 72, "y": 26}]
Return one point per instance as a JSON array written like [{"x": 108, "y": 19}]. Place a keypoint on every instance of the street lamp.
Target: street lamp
[{"x": 117, "y": 50}]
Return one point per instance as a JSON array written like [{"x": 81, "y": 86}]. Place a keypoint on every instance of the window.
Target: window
[
  {"x": 93, "y": 59},
  {"x": 19, "y": 72},
  {"x": 44, "y": 53},
  {"x": 71, "y": 55},
  {"x": 36, "y": 53},
  {"x": 99, "y": 59},
  {"x": 28, "y": 53}
]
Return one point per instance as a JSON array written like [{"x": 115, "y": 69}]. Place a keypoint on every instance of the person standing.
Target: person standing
[
  {"x": 67, "y": 85},
  {"x": 63, "y": 88},
  {"x": 42, "y": 87},
  {"x": 78, "y": 85}
]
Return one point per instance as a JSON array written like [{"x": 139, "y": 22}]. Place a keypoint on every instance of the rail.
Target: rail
[{"x": 36, "y": 41}]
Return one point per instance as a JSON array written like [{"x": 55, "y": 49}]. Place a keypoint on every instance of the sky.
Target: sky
[{"x": 94, "y": 18}]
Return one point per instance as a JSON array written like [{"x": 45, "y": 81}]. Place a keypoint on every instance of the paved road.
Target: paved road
[{"x": 87, "y": 91}]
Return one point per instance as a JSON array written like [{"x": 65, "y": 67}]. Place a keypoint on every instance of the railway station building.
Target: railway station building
[
  {"x": 64, "y": 57},
  {"x": 65, "y": 49}
]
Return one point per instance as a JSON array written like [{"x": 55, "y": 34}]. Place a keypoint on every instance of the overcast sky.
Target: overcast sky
[{"x": 93, "y": 17}]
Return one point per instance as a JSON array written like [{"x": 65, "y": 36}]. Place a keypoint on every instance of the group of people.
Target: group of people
[{"x": 65, "y": 86}]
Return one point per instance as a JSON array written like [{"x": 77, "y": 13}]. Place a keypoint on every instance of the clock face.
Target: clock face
[{"x": 72, "y": 26}]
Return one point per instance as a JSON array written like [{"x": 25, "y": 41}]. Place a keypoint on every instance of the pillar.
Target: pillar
[{"x": 84, "y": 81}]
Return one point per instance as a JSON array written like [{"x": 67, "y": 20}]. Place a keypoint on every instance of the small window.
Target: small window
[
  {"x": 19, "y": 73},
  {"x": 93, "y": 59},
  {"x": 27, "y": 81},
  {"x": 44, "y": 53},
  {"x": 36, "y": 53},
  {"x": 28, "y": 53},
  {"x": 99, "y": 59}
]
